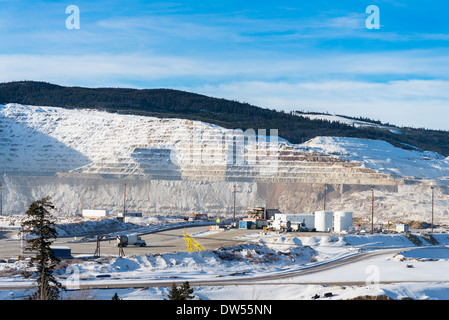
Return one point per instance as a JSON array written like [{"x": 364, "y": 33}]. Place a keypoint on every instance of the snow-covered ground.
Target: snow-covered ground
[{"x": 416, "y": 271}]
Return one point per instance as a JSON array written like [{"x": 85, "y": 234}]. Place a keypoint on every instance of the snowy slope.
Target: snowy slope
[
  {"x": 47, "y": 140},
  {"x": 347, "y": 121},
  {"x": 384, "y": 157},
  {"x": 82, "y": 157}
]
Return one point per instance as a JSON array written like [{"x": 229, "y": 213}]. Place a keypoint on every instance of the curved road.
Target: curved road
[
  {"x": 259, "y": 280},
  {"x": 172, "y": 241}
]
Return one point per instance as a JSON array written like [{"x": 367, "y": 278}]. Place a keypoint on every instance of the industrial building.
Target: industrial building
[
  {"x": 258, "y": 218},
  {"x": 342, "y": 221},
  {"x": 321, "y": 221},
  {"x": 261, "y": 213},
  {"x": 294, "y": 222},
  {"x": 95, "y": 213}
]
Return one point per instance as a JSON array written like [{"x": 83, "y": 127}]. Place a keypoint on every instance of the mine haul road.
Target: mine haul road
[{"x": 258, "y": 280}]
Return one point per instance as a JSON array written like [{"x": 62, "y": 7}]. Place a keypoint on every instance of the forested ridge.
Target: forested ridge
[{"x": 226, "y": 113}]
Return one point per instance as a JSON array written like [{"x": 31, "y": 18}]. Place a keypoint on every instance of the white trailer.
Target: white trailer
[
  {"x": 293, "y": 222},
  {"x": 130, "y": 239},
  {"x": 88, "y": 213}
]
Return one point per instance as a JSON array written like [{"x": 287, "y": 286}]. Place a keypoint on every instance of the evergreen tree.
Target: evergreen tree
[
  {"x": 184, "y": 292},
  {"x": 115, "y": 297},
  {"x": 41, "y": 231}
]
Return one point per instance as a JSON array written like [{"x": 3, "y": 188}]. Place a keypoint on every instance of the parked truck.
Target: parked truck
[{"x": 131, "y": 239}]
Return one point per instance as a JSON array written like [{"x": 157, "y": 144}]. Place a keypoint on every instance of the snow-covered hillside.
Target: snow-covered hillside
[
  {"x": 175, "y": 166},
  {"x": 47, "y": 140},
  {"x": 88, "y": 141},
  {"x": 382, "y": 156}
]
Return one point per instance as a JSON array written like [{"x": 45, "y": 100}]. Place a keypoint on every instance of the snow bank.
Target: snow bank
[{"x": 87, "y": 227}]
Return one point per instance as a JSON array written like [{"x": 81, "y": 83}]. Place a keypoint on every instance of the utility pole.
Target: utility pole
[
  {"x": 372, "y": 210},
  {"x": 233, "y": 216},
  {"x": 265, "y": 210},
  {"x": 235, "y": 192},
  {"x": 432, "y": 209},
  {"x": 1, "y": 199},
  {"x": 22, "y": 244},
  {"x": 124, "y": 200},
  {"x": 325, "y": 196}
]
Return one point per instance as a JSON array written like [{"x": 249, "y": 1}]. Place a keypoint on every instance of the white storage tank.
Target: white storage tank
[
  {"x": 323, "y": 221},
  {"x": 342, "y": 221}
]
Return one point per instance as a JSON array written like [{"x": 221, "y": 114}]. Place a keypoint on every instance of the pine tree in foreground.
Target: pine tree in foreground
[
  {"x": 184, "y": 292},
  {"x": 115, "y": 297},
  {"x": 40, "y": 228}
]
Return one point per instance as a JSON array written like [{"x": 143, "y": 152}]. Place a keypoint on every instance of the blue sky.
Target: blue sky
[{"x": 285, "y": 55}]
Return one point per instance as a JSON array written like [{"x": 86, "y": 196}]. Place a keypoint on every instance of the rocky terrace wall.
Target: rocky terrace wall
[{"x": 72, "y": 194}]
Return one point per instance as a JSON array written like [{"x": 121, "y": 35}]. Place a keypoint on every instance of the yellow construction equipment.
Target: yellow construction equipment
[{"x": 192, "y": 244}]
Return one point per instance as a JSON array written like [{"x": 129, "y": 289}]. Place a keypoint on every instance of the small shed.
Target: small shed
[
  {"x": 245, "y": 224},
  {"x": 403, "y": 227}
]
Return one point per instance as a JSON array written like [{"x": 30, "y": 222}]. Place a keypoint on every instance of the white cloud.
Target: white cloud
[
  {"x": 98, "y": 68},
  {"x": 338, "y": 83},
  {"x": 147, "y": 66}
]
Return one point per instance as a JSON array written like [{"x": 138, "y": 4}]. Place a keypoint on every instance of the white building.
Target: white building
[
  {"x": 95, "y": 213},
  {"x": 402, "y": 227}
]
